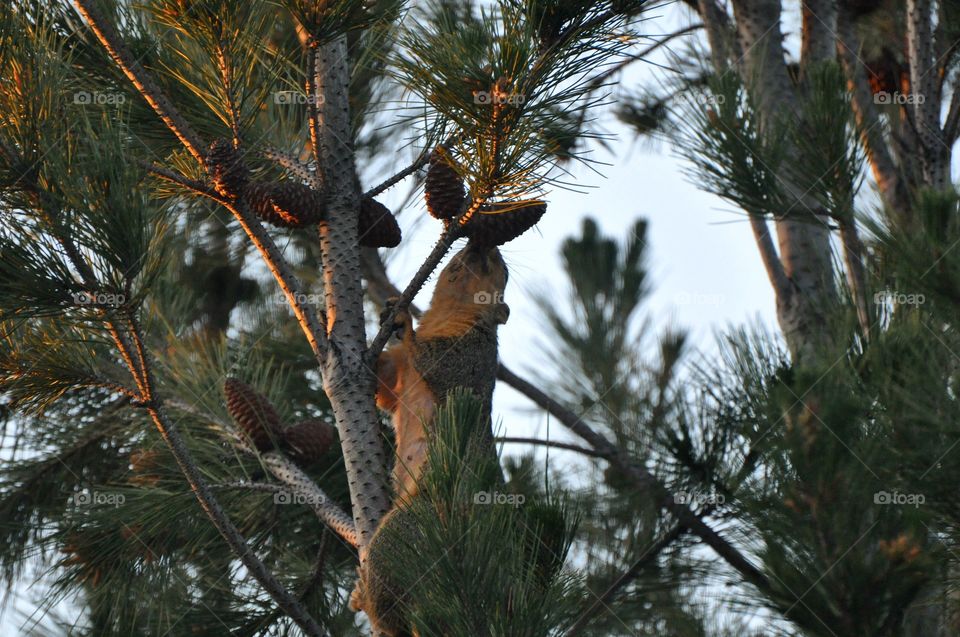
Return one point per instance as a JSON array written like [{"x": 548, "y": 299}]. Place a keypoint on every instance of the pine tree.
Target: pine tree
[
  {"x": 788, "y": 142},
  {"x": 161, "y": 168}
]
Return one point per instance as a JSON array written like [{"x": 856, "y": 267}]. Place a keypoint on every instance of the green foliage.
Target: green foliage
[
  {"x": 494, "y": 557},
  {"x": 830, "y": 158},
  {"x": 499, "y": 79},
  {"x": 732, "y": 156}
]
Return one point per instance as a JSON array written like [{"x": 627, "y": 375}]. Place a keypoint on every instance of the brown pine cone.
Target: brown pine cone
[
  {"x": 227, "y": 171},
  {"x": 309, "y": 440},
  {"x": 143, "y": 465},
  {"x": 496, "y": 224},
  {"x": 287, "y": 204},
  {"x": 253, "y": 413},
  {"x": 443, "y": 190},
  {"x": 378, "y": 227}
]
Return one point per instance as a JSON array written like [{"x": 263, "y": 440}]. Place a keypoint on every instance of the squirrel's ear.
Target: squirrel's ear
[{"x": 502, "y": 313}]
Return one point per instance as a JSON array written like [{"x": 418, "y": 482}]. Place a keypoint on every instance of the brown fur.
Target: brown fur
[{"x": 454, "y": 346}]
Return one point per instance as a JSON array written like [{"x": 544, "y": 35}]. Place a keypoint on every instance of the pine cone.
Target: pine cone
[
  {"x": 143, "y": 465},
  {"x": 443, "y": 189},
  {"x": 253, "y": 413},
  {"x": 309, "y": 440},
  {"x": 227, "y": 171},
  {"x": 378, "y": 227},
  {"x": 287, "y": 204},
  {"x": 496, "y": 224}
]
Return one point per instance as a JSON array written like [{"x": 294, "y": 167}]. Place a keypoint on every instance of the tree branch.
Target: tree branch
[
  {"x": 768, "y": 255},
  {"x": 856, "y": 276},
  {"x": 441, "y": 248},
  {"x": 641, "y": 477},
  {"x": 290, "y": 164},
  {"x": 450, "y": 234},
  {"x": 211, "y": 506},
  {"x": 885, "y": 170},
  {"x": 132, "y": 349},
  {"x": 934, "y": 156},
  {"x": 151, "y": 92},
  {"x": 287, "y": 472},
  {"x": 549, "y": 443},
  {"x": 140, "y": 79},
  {"x": 348, "y": 379},
  {"x": 174, "y": 177},
  {"x": 289, "y": 284}
]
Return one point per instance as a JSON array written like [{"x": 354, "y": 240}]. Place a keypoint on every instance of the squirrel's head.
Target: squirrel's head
[{"x": 475, "y": 278}]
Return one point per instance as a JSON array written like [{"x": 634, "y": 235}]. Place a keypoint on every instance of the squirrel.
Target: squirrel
[{"x": 454, "y": 346}]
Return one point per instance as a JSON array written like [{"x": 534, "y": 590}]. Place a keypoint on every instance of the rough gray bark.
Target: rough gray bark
[
  {"x": 885, "y": 170},
  {"x": 348, "y": 381},
  {"x": 818, "y": 34},
  {"x": 802, "y": 233},
  {"x": 300, "y": 484},
  {"x": 925, "y": 89}
]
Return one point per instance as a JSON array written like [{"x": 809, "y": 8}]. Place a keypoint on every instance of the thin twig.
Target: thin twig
[
  {"x": 289, "y": 163},
  {"x": 625, "y": 578},
  {"x": 451, "y": 233},
  {"x": 642, "y": 477},
  {"x": 417, "y": 164},
  {"x": 768, "y": 255},
  {"x": 379, "y": 286},
  {"x": 601, "y": 79},
  {"x": 549, "y": 443},
  {"x": 856, "y": 276},
  {"x": 174, "y": 177},
  {"x": 289, "y": 284}
]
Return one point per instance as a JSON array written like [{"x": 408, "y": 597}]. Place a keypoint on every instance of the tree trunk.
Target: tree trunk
[
  {"x": 349, "y": 383},
  {"x": 802, "y": 232}
]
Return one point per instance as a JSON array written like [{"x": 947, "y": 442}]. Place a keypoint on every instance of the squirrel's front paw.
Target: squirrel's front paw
[{"x": 400, "y": 321}]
